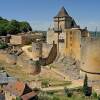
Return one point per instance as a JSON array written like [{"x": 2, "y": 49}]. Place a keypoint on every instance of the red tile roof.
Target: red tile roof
[{"x": 17, "y": 88}]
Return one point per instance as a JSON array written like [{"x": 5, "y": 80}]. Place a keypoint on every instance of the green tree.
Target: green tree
[
  {"x": 13, "y": 26},
  {"x": 98, "y": 97},
  {"x": 16, "y": 24},
  {"x": 94, "y": 94},
  {"x": 18, "y": 98},
  {"x": 25, "y": 27},
  {"x": 2, "y": 30},
  {"x": 1, "y": 18},
  {"x": 85, "y": 85}
]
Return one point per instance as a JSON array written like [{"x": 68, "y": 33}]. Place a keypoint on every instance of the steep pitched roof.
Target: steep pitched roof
[{"x": 62, "y": 13}]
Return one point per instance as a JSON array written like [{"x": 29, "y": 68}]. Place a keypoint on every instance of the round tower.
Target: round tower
[{"x": 90, "y": 64}]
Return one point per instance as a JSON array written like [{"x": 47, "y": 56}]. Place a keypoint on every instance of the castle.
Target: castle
[{"x": 67, "y": 35}]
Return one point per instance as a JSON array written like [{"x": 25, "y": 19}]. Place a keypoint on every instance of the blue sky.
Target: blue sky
[{"x": 40, "y": 13}]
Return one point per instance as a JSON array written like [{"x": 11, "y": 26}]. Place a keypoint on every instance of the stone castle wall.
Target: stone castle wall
[
  {"x": 23, "y": 61},
  {"x": 71, "y": 42},
  {"x": 36, "y": 50},
  {"x": 91, "y": 58}
]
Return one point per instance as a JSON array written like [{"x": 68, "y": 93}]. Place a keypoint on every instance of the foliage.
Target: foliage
[
  {"x": 68, "y": 92},
  {"x": 98, "y": 97},
  {"x": 18, "y": 98},
  {"x": 85, "y": 85},
  {"x": 2, "y": 30},
  {"x": 45, "y": 83},
  {"x": 3, "y": 45},
  {"x": 94, "y": 94},
  {"x": 13, "y": 26},
  {"x": 44, "y": 96},
  {"x": 25, "y": 27},
  {"x": 56, "y": 98}
]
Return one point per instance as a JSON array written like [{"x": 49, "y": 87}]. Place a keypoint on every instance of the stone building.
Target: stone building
[
  {"x": 24, "y": 38},
  {"x": 21, "y": 39},
  {"x": 65, "y": 21},
  {"x": 37, "y": 50},
  {"x": 5, "y": 39},
  {"x": 66, "y": 34}
]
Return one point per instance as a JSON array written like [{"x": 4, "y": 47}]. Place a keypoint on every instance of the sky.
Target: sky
[{"x": 40, "y": 13}]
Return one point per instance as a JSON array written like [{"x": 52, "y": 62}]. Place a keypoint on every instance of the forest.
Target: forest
[{"x": 13, "y": 27}]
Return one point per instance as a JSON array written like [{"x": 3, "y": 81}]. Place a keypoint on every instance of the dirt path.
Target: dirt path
[{"x": 25, "y": 49}]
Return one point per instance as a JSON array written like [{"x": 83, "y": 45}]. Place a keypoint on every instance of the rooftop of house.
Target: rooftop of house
[
  {"x": 30, "y": 95},
  {"x": 20, "y": 89},
  {"x": 15, "y": 88}
]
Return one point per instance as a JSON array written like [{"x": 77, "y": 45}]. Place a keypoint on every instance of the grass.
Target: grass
[
  {"x": 53, "y": 96},
  {"x": 17, "y": 72}
]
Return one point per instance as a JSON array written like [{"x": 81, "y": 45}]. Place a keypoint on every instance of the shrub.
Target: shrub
[
  {"x": 68, "y": 92},
  {"x": 56, "y": 98},
  {"x": 94, "y": 94},
  {"x": 3, "y": 45},
  {"x": 45, "y": 83},
  {"x": 98, "y": 97},
  {"x": 18, "y": 98}
]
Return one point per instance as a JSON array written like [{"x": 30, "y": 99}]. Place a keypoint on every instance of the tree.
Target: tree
[
  {"x": 2, "y": 30},
  {"x": 16, "y": 24},
  {"x": 10, "y": 29},
  {"x": 25, "y": 27},
  {"x": 98, "y": 97},
  {"x": 13, "y": 26},
  {"x": 86, "y": 89},
  {"x": 85, "y": 85},
  {"x": 1, "y": 18}
]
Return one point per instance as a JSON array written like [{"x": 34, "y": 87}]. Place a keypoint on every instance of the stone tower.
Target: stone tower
[
  {"x": 64, "y": 20},
  {"x": 66, "y": 34}
]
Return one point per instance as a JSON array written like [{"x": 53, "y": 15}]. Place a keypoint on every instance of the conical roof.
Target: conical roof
[{"x": 62, "y": 13}]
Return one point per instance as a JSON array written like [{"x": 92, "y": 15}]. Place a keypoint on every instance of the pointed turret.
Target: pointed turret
[
  {"x": 63, "y": 20},
  {"x": 62, "y": 13}
]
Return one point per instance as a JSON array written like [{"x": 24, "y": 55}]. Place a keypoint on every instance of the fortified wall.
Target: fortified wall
[{"x": 90, "y": 63}]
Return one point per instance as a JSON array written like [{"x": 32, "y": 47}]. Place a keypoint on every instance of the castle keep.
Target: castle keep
[{"x": 66, "y": 34}]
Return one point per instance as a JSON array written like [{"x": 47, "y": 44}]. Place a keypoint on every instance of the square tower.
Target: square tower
[{"x": 63, "y": 20}]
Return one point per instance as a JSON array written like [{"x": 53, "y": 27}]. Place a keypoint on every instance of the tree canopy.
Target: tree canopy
[{"x": 13, "y": 26}]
